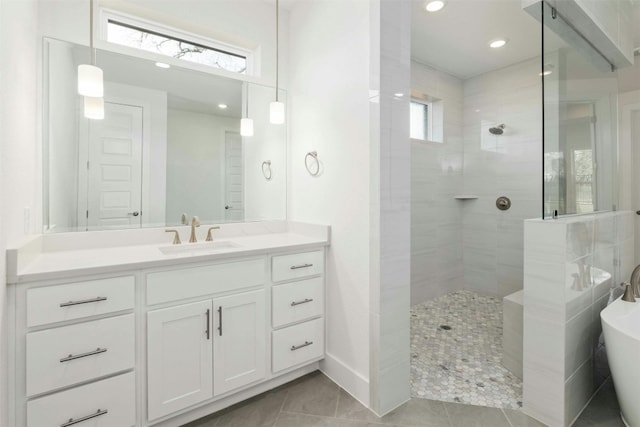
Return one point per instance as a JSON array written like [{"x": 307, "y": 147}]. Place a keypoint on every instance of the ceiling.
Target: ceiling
[{"x": 456, "y": 38}]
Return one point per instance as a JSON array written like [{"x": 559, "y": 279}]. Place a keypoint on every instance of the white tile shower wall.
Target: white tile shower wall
[
  {"x": 390, "y": 51},
  {"x": 570, "y": 265},
  {"x": 500, "y": 165},
  {"x": 436, "y": 178}
]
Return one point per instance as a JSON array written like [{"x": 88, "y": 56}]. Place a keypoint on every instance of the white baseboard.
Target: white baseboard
[{"x": 351, "y": 381}]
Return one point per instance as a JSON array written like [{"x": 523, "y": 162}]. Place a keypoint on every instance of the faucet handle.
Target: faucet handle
[
  {"x": 209, "y": 236},
  {"x": 195, "y": 222},
  {"x": 176, "y": 237},
  {"x": 628, "y": 292}
]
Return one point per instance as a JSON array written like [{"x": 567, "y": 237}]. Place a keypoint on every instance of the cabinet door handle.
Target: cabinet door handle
[
  {"x": 85, "y": 418},
  {"x": 208, "y": 331},
  {"x": 295, "y": 267},
  {"x": 298, "y": 347},
  {"x": 79, "y": 356},
  {"x": 84, "y": 301},
  {"x": 304, "y": 301},
  {"x": 220, "y": 320}
]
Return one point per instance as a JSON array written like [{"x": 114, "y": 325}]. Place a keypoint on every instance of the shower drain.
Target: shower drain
[{"x": 445, "y": 327}]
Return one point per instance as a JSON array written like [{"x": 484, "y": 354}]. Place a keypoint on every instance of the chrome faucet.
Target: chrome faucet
[{"x": 195, "y": 222}]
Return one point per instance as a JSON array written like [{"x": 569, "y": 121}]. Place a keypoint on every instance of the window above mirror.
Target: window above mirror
[{"x": 163, "y": 41}]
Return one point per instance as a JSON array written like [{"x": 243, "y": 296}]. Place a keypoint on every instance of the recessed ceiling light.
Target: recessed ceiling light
[
  {"x": 545, "y": 73},
  {"x": 162, "y": 65},
  {"x": 222, "y": 106},
  {"x": 497, "y": 43},
  {"x": 434, "y": 6},
  {"x": 399, "y": 95}
]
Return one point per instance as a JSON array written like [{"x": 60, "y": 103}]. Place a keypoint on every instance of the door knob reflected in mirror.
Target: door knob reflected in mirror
[
  {"x": 228, "y": 207},
  {"x": 136, "y": 213}
]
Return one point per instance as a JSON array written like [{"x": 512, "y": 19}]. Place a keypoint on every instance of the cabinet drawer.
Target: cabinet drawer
[
  {"x": 297, "y": 344},
  {"x": 72, "y": 354},
  {"x": 77, "y": 300},
  {"x": 296, "y": 266},
  {"x": 185, "y": 283},
  {"x": 106, "y": 403},
  {"x": 297, "y": 301}
]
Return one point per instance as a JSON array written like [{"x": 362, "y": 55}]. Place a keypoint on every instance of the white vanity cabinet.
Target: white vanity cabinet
[
  {"x": 76, "y": 347},
  {"x": 164, "y": 345},
  {"x": 179, "y": 357}
]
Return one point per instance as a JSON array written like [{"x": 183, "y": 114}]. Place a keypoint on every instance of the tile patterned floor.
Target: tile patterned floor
[
  {"x": 315, "y": 401},
  {"x": 456, "y": 350}
]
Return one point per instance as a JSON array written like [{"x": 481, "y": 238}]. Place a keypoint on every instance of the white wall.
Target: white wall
[
  {"x": 195, "y": 165},
  {"x": 436, "y": 178},
  {"x": 329, "y": 113},
  {"x": 19, "y": 148},
  {"x": 505, "y": 165}
]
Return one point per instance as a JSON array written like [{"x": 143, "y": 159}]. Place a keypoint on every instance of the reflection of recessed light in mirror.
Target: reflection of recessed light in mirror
[
  {"x": 399, "y": 95},
  {"x": 162, "y": 65},
  {"x": 434, "y": 6},
  {"x": 545, "y": 73},
  {"x": 222, "y": 106},
  {"x": 497, "y": 43}
]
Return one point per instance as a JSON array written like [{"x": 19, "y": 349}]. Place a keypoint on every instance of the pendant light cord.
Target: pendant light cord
[
  {"x": 93, "y": 52},
  {"x": 277, "y": 47}
]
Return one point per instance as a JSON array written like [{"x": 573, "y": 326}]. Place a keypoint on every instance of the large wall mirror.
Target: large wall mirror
[{"x": 169, "y": 144}]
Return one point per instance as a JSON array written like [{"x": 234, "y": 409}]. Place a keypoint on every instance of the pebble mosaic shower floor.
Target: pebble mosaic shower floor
[{"x": 456, "y": 350}]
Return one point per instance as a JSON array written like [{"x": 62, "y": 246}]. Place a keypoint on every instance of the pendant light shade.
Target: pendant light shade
[
  {"x": 90, "y": 82},
  {"x": 94, "y": 107},
  {"x": 276, "y": 113},
  {"x": 276, "y": 109},
  {"x": 246, "y": 127}
]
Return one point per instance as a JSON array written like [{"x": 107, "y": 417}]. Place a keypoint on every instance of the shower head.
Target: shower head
[{"x": 497, "y": 130}]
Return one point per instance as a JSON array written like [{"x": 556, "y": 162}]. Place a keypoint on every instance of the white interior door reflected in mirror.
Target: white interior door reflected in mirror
[
  {"x": 113, "y": 170},
  {"x": 234, "y": 177}
]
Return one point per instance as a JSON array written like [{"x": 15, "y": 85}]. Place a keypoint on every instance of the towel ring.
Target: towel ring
[
  {"x": 266, "y": 169},
  {"x": 314, "y": 155}
]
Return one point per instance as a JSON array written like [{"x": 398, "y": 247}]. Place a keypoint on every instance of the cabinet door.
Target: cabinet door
[
  {"x": 179, "y": 357},
  {"x": 239, "y": 355}
]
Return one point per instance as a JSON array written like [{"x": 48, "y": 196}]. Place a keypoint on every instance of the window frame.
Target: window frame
[
  {"x": 429, "y": 129},
  {"x": 107, "y": 15}
]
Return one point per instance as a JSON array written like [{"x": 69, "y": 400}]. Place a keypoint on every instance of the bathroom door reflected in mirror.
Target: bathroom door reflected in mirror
[{"x": 170, "y": 143}]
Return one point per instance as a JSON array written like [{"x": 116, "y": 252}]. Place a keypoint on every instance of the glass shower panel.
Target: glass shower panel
[{"x": 580, "y": 123}]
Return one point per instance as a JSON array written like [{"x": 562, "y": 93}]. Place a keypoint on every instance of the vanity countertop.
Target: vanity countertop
[{"x": 51, "y": 257}]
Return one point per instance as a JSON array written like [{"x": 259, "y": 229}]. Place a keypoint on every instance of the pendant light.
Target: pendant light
[
  {"x": 90, "y": 80},
  {"x": 246, "y": 124},
  {"x": 276, "y": 108}
]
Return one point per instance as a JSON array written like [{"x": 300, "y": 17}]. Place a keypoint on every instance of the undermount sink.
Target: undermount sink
[{"x": 199, "y": 248}]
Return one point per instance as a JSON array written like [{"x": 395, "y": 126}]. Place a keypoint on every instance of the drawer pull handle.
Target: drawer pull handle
[
  {"x": 295, "y": 267},
  {"x": 208, "y": 331},
  {"x": 79, "y": 356},
  {"x": 304, "y": 301},
  {"x": 85, "y": 418},
  {"x": 298, "y": 347},
  {"x": 220, "y": 321},
  {"x": 84, "y": 301}
]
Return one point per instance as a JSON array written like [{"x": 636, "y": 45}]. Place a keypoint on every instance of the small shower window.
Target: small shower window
[{"x": 420, "y": 120}]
